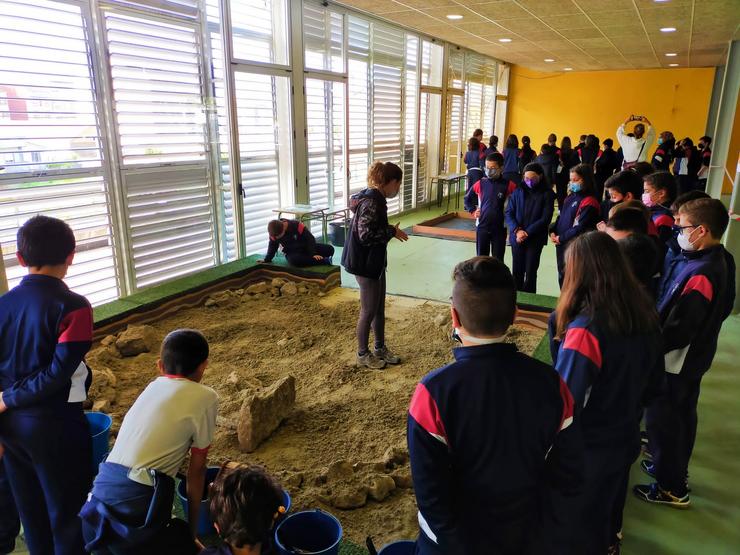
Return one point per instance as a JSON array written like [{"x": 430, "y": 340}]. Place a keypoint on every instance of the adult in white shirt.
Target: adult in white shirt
[{"x": 635, "y": 149}]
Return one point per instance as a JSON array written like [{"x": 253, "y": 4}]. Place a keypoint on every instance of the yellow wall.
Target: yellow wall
[{"x": 597, "y": 102}]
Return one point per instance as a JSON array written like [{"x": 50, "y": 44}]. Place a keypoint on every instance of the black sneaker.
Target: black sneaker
[
  {"x": 651, "y": 493},
  {"x": 648, "y": 467}
]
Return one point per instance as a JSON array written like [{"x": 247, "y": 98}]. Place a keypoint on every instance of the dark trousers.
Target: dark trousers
[
  {"x": 490, "y": 242},
  {"x": 301, "y": 259},
  {"x": 560, "y": 258},
  {"x": 372, "y": 312},
  {"x": 48, "y": 462},
  {"x": 671, "y": 422},
  {"x": 10, "y": 525},
  {"x": 602, "y": 498},
  {"x": 525, "y": 262}
]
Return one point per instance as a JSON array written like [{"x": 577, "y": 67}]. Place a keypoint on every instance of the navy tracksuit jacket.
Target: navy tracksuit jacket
[
  {"x": 612, "y": 378},
  {"x": 529, "y": 210},
  {"x": 663, "y": 219},
  {"x": 489, "y": 196},
  {"x": 696, "y": 295},
  {"x": 578, "y": 215},
  {"x": 299, "y": 246},
  {"x": 45, "y": 332},
  {"x": 491, "y": 445}
]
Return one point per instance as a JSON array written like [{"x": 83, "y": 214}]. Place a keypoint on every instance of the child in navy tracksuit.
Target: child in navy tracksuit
[
  {"x": 658, "y": 194},
  {"x": 45, "y": 332},
  {"x": 245, "y": 503},
  {"x": 528, "y": 216},
  {"x": 485, "y": 200},
  {"x": 697, "y": 296},
  {"x": 10, "y": 524},
  {"x": 298, "y": 244},
  {"x": 580, "y": 213},
  {"x": 605, "y": 343},
  {"x": 474, "y": 162},
  {"x": 490, "y": 436}
]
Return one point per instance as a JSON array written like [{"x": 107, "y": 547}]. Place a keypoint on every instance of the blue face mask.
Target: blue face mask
[
  {"x": 660, "y": 140},
  {"x": 574, "y": 187}
]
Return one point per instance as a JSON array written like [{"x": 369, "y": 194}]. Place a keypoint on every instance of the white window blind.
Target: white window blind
[
  {"x": 429, "y": 129},
  {"x": 50, "y": 145},
  {"x": 222, "y": 130},
  {"x": 323, "y": 38},
  {"x": 186, "y": 8},
  {"x": 455, "y": 143},
  {"x": 388, "y": 50},
  {"x": 410, "y": 120},
  {"x": 260, "y": 30},
  {"x": 155, "y": 68},
  {"x": 359, "y": 102},
  {"x": 475, "y": 74},
  {"x": 432, "y": 55},
  {"x": 325, "y": 116},
  {"x": 264, "y": 150},
  {"x": 456, "y": 62}
]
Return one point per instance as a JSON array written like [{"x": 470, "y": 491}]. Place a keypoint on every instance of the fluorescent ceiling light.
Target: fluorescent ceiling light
[
  {"x": 549, "y": 60},
  {"x": 454, "y": 16},
  {"x": 504, "y": 40},
  {"x": 667, "y": 29},
  {"x": 567, "y": 69},
  {"x": 673, "y": 65},
  {"x": 671, "y": 54}
]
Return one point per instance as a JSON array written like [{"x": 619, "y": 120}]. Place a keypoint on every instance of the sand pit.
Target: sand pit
[{"x": 343, "y": 447}]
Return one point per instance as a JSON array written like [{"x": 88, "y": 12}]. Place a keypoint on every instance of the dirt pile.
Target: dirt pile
[{"x": 343, "y": 446}]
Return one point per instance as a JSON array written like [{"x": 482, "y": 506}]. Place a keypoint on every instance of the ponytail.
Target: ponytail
[{"x": 381, "y": 174}]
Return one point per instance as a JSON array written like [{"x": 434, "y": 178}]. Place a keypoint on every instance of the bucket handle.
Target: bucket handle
[{"x": 371, "y": 546}]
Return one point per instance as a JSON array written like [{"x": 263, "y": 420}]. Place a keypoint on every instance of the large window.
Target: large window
[
  {"x": 168, "y": 133},
  {"x": 51, "y": 151}
]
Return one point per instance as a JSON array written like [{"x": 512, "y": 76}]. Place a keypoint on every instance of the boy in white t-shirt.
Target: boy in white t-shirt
[{"x": 129, "y": 508}]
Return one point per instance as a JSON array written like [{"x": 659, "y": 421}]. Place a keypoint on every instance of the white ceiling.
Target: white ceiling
[{"x": 580, "y": 34}]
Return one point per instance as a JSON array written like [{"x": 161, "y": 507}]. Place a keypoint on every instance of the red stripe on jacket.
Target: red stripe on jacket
[
  {"x": 584, "y": 342},
  {"x": 424, "y": 410},
  {"x": 701, "y": 284},
  {"x": 76, "y": 326}
]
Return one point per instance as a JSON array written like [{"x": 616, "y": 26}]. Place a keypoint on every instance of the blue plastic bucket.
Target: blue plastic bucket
[
  {"x": 205, "y": 524},
  {"x": 309, "y": 532},
  {"x": 402, "y": 547},
  {"x": 99, "y": 432},
  {"x": 287, "y": 502}
]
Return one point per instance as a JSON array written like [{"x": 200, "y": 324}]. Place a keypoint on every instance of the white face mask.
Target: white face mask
[{"x": 684, "y": 241}]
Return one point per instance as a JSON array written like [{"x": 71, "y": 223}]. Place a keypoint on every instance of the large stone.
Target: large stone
[
  {"x": 278, "y": 282},
  {"x": 103, "y": 384},
  {"x": 395, "y": 456},
  {"x": 263, "y": 411},
  {"x": 136, "y": 340},
  {"x": 380, "y": 486},
  {"x": 402, "y": 478},
  {"x": 260, "y": 287},
  {"x": 289, "y": 288}
]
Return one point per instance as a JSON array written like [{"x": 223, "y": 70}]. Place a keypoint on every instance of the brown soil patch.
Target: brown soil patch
[{"x": 342, "y": 413}]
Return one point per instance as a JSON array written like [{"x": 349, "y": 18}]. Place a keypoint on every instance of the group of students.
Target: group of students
[
  {"x": 527, "y": 458},
  {"x": 531, "y": 459}
]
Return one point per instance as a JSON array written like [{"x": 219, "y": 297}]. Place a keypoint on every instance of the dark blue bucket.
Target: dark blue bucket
[
  {"x": 310, "y": 533},
  {"x": 99, "y": 432},
  {"x": 402, "y": 547},
  {"x": 205, "y": 524}
]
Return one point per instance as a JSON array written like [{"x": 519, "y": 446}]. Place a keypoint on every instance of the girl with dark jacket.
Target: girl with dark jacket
[
  {"x": 528, "y": 215},
  {"x": 580, "y": 213},
  {"x": 566, "y": 163},
  {"x": 526, "y": 154},
  {"x": 663, "y": 155},
  {"x": 511, "y": 160},
  {"x": 607, "y": 164},
  {"x": 365, "y": 256},
  {"x": 473, "y": 162},
  {"x": 686, "y": 166}
]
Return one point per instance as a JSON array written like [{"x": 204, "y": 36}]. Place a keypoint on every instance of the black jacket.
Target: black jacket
[
  {"x": 297, "y": 240},
  {"x": 365, "y": 252}
]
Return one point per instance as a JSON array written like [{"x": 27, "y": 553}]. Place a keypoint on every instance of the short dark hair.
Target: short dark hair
[
  {"x": 706, "y": 139},
  {"x": 608, "y": 143},
  {"x": 493, "y": 141},
  {"x": 183, "y": 351},
  {"x": 275, "y": 228},
  {"x": 473, "y": 144},
  {"x": 512, "y": 141},
  {"x": 663, "y": 181},
  {"x": 535, "y": 167},
  {"x": 244, "y": 503},
  {"x": 478, "y": 132},
  {"x": 45, "y": 241},
  {"x": 496, "y": 157},
  {"x": 484, "y": 295},
  {"x": 643, "y": 168},
  {"x": 686, "y": 197},
  {"x": 629, "y": 219},
  {"x": 709, "y": 212},
  {"x": 525, "y": 140},
  {"x": 624, "y": 182},
  {"x": 552, "y": 138},
  {"x": 582, "y": 138}
]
